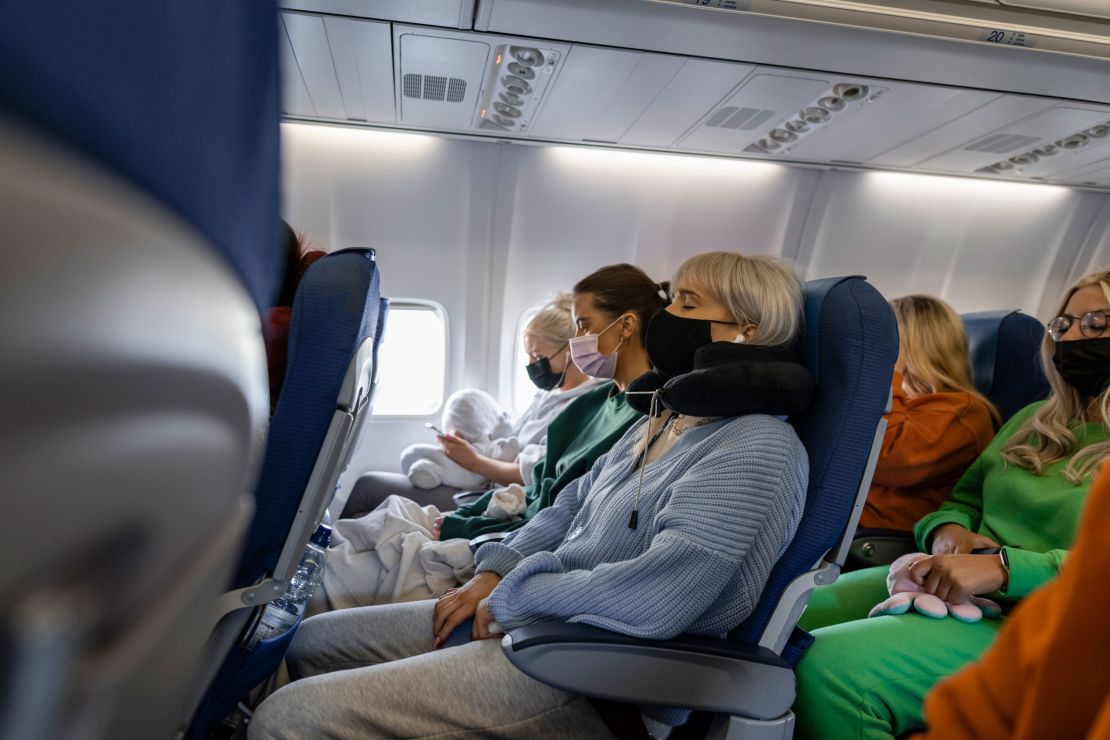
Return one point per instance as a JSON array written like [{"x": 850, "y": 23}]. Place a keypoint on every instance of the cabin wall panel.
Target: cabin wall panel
[
  {"x": 977, "y": 244},
  {"x": 424, "y": 204}
]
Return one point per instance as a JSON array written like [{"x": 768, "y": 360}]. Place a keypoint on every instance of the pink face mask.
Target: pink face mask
[{"x": 586, "y": 356}]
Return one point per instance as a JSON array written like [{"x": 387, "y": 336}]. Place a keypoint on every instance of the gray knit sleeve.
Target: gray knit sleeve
[
  {"x": 708, "y": 530},
  {"x": 545, "y": 531}
]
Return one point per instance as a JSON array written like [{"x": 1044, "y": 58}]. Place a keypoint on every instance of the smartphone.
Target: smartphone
[{"x": 436, "y": 429}]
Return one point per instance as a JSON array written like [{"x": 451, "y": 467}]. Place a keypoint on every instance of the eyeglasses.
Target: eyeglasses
[{"x": 1092, "y": 324}]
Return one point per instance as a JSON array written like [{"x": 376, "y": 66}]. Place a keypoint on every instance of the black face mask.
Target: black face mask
[
  {"x": 673, "y": 340},
  {"x": 541, "y": 374},
  {"x": 1084, "y": 364}
]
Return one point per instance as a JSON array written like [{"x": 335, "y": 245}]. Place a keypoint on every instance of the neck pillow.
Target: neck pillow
[{"x": 729, "y": 379}]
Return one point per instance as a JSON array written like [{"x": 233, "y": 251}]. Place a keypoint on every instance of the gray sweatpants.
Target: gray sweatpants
[
  {"x": 371, "y": 672},
  {"x": 373, "y": 488}
]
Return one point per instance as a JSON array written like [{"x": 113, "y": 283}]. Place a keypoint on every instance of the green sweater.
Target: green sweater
[
  {"x": 1034, "y": 517},
  {"x": 582, "y": 433}
]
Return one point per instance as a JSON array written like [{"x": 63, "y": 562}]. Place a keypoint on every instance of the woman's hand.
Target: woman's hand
[
  {"x": 460, "y": 604},
  {"x": 461, "y": 451},
  {"x": 953, "y": 539},
  {"x": 485, "y": 628},
  {"x": 437, "y": 527},
  {"x": 956, "y": 578}
]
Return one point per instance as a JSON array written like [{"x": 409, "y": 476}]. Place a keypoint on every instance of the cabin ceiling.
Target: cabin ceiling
[{"x": 384, "y": 72}]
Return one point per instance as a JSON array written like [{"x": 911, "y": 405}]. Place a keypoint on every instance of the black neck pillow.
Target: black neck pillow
[{"x": 729, "y": 379}]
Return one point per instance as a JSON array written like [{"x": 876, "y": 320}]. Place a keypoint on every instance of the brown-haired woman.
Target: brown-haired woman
[{"x": 612, "y": 308}]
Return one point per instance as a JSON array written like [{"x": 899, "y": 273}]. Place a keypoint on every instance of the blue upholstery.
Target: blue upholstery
[
  {"x": 850, "y": 344},
  {"x": 178, "y": 96},
  {"x": 1004, "y": 347},
  {"x": 337, "y": 306},
  {"x": 335, "y": 309}
]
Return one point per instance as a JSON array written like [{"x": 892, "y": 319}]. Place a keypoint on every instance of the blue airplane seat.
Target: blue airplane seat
[
  {"x": 138, "y": 193},
  {"x": 334, "y": 333},
  {"x": 747, "y": 681},
  {"x": 1004, "y": 349},
  {"x": 1005, "y": 358}
]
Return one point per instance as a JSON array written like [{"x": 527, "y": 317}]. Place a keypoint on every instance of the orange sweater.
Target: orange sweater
[
  {"x": 930, "y": 441},
  {"x": 1048, "y": 673}
]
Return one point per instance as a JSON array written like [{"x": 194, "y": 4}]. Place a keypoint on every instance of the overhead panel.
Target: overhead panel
[
  {"x": 515, "y": 87},
  {"x": 309, "y": 42},
  {"x": 1096, "y": 174},
  {"x": 1086, "y": 140},
  {"x": 698, "y": 86},
  {"x": 979, "y": 122},
  {"x": 894, "y": 114},
  {"x": 438, "y": 78},
  {"x": 362, "y": 55},
  {"x": 744, "y": 116},
  {"x": 1034, "y": 132},
  {"x": 600, "y": 93}
]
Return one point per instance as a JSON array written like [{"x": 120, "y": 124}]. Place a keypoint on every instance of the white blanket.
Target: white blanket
[{"x": 389, "y": 555}]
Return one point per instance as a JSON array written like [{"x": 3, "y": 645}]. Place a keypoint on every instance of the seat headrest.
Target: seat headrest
[
  {"x": 1004, "y": 349},
  {"x": 133, "y": 69},
  {"x": 814, "y": 293}
]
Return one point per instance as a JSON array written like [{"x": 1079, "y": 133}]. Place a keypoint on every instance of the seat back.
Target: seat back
[
  {"x": 133, "y": 395},
  {"x": 1004, "y": 347},
  {"x": 139, "y": 198},
  {"x": 328, "y": 388},
  {"x": 850, "y": 344},
  {"x": 334, "y": 314}
]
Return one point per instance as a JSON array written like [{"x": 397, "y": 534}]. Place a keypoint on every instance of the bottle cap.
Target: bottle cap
[{"x": 322, "y": 536}]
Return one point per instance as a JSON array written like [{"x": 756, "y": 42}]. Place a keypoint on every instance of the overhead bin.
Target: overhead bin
[
  {"x": 978, "y": 45},
  {"x": 446, "y": 13},
  {"x": 337, "y": 69},
  {"x": 353, "y": 70},
  {"x": 1091, "y": 8}
]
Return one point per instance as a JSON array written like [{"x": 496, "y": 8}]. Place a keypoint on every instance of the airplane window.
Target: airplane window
[
  {"x": 412, "y": 360},
  {"x": 523, "y": 389}
]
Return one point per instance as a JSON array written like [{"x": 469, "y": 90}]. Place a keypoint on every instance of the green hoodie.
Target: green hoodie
[
  {"x": 582, "y": 433},
  {"x": 1034, "y": 517}
]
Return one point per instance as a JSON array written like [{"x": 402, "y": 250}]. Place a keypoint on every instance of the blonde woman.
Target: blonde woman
[
  {"x": 434, "y": 473},
  {"x": 1021, "y": 501},
  {"x": 689, "y": 550},
  {"x": 938, "y": 423}
]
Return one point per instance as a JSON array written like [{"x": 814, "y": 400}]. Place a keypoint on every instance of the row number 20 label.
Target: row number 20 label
[{"x": 1008, "y": 38}]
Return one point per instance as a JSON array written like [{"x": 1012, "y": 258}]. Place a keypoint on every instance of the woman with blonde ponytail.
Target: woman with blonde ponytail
[
  {"x": 1004, "y": 532},
  {"x": 938, "y": 423}
]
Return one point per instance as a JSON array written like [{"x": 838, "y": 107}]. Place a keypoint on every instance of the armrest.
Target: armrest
[
  {"x": 487, "y": 538},
  {"x": 465, "y": 497},
  {"x": 879, "y": 547},
  {"x": 692, "y": 672}
]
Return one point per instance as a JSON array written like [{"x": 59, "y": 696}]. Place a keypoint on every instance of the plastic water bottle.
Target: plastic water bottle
[{"x": 282, "y": 613}]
